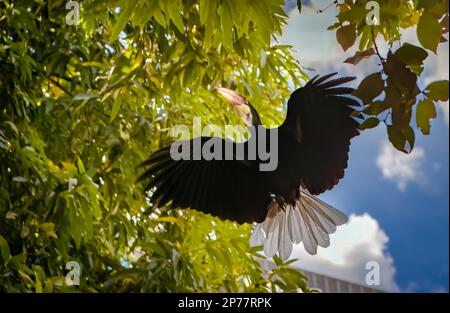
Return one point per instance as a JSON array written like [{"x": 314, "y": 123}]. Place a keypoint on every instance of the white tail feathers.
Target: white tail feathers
[{"x": 310, "y": 221}]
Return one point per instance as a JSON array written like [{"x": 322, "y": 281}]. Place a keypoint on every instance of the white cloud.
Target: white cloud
[
  {"x": 354, "y": 244},
  {"x": 399, "y": 167}
]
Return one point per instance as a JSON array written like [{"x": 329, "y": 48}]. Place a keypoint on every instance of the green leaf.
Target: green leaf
[
  {"x": 402, "y": 139},
  {"x": 116, "y": 107},
  {"x": 365, "y": 41},
  {"x": 429, "y": 31},
  {"x": 353, "y": 14},
  {"x": 299, "y": 6},
  {"x": 4, "y": 249},
  {"x": 438, "y": 91},
  {"x": 371, "y": 122},
  {"x": 159, "y": 17},
  {"x": 208, "y": 9},
  {"x": 204, "y": 9},
  {"x": 411, "y": 55},
  {"x": 172, "y": 9},
  {"x": 277, "y": 260},
  {"x": 48, "y": 286},
  {"x": 38, "y": 272},
  {"x": 434, "y": 7},
  {"x": 346, "y": 36},
  {"x": 80, "y": 165},
  {"x": 24, "y": 232},
  {"x": 424, "y": 113},
  {"x": 122, "y": 21},
  {"x": 397, "y": 138},
  {"x": 170, "y": 219},
  {"x": 226, "y": 25},
  {"x": 39, "y": 276},
  {"x": 370, "y": 88}
]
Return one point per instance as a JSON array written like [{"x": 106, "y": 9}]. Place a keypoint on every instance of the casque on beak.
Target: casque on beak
[
  {"x": 239, "y": 103},
  {"x": 232, "y": 96}
]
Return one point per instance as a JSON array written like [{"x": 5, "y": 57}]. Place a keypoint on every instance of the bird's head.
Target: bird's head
[{"x": 241, "y": 105}]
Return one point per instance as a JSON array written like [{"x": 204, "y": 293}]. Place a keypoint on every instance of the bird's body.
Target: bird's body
[{"x": 312, "y": 152}]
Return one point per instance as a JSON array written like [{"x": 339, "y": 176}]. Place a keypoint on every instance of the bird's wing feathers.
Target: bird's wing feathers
[
  {"x": 326, "y": 122},
  {"x": 237, "y": 190},
  {"x": 228, "y": 189},
  {"x": 310, "y": 221}
]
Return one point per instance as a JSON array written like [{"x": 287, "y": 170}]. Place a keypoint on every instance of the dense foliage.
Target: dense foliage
[
  {"x": 82, "y": 103},
  {"x": 393, "y": 94}
]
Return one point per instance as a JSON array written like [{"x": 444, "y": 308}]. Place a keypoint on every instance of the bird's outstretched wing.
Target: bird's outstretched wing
[
  {"x": 322, "y": 114},
  {"x": 228, "y": 189}
]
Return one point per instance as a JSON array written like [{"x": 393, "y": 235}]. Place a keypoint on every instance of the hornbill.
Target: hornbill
[{"x": 313, "y": 146}]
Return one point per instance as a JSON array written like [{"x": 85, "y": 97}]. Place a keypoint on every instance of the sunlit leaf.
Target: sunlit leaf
[
  {"x": 428, "y": 31},
  {"x": 438, "y": 90},
  {"x": 424, "y": 113},
  {"x": 122, "y": 21},
  {"x": 116, "y": 107}
]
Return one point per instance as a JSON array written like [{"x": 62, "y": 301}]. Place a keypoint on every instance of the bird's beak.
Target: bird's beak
[
  {"x": 240, "y": 104},
  {"x": 232, "y": 96}
]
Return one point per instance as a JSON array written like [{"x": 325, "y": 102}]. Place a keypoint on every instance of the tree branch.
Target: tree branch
[
  {"x": 377, "y": 51},
  {"x": 55, "y": 82}
]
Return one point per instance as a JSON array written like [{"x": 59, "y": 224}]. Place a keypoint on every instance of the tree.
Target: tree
[
  {"x": 87, "y": 96},
  {"x": 392, "y": 94}
]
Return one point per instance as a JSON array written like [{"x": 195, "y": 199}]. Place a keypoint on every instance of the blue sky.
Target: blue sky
[{"x": 398, "y": 204}]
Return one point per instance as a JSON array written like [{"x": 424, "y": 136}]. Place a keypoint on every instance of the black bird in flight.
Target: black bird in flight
[{"x": 313, "y": 146}]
